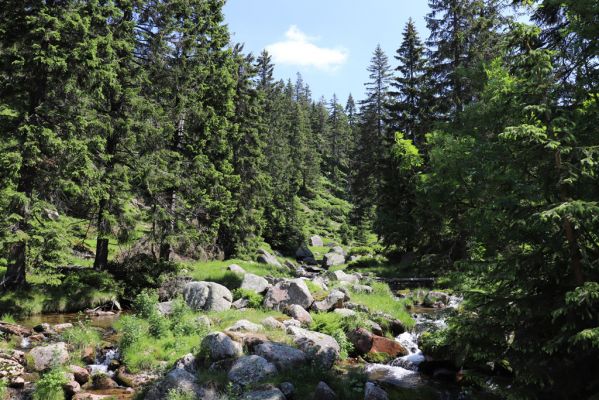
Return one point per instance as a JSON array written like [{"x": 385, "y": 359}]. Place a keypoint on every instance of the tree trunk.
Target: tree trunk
[
  {"x": 15, "y": 274},
  {"x": 101, "y": 260}
]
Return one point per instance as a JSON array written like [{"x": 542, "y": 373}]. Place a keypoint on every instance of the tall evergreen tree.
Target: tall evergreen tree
[{"x": 409, "y": 105}]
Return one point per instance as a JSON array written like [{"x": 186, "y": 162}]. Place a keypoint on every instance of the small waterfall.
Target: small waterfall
[
  {"x": 102, "y": 363},
  {"x": 25, "y": 343}
]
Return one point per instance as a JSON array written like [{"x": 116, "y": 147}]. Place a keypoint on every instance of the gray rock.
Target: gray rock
[
  {"x": 272, "y": 323},
  {"x": 324, "y": 392},
  {"x": 331, "y": 259},
  {"x": 287, "y": 388},
  {"x": 374, "y": 392},
  {"x": 220, "y": 346},
  {"x": 254, "y": 283},
  {"x": 362, "y": 288},
  {"x": 250, "y": 369},
  {"x": 339, "y": 250},
  {"x": 283, "y": 356},
  {"x": 343, "y": 277},
  {"x": 10, "y": 367},
  {"x": 240, "y": 304},
  {"x": 59, "y": 328},
  {"x": 291, "y": 322},
  {"x": 316, "y": 241},
  {"x": 203, "y": 320},
  {"x": 265, "y": 257},
  {"x": 333, "y": 300},
  {"x": 286, "y": 293},
  {"x": 46, "y": 357},
  {"x": 268, "y": 394},
  {"x": 322, "y": 349},
  {"x": 374, "y": 327},
  {"x": 298, "y": 312},
  {"x": 236, "y": 269},
  {"x": 165, "y": 308},
  {"x": 178, "y": 380},
  {"x": 303, "y": 252},
  {"x": 207, "y": 296},
  {"x": 243, "y": 325},
  {"x": 188, "y": 362},
  {"x": 345, "y": 312}
]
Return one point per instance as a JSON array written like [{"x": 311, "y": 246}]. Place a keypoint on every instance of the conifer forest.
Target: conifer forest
[{"x": 177, "y": 223}]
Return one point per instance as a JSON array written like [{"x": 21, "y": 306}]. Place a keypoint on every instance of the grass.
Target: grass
[
  {"x": 216, "y": 271},
  {"x": 9, "y": 319},
  {"x": 79, "y": 290},
  {"x": 81, "y": 336},
  {"x": 382, "y": 299}
]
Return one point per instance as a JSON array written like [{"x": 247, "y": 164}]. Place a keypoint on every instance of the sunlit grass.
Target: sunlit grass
[{"x": 382, "y": 299}]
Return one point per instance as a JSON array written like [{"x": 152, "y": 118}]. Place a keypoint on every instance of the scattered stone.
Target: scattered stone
[
  {"x": 203, "y": 320},
  {"x": 254, "y": 283},
  {"x": 375, "y": 328},
  {"x": 207, "y": 296},
  {"x": 288, "y": 389},
  {"x": 92, "y": 396},
  {"x": 59, "y": 328},
  {"x": 374, "y": 392},
  {"x": 14, "y": 329},
  {"x": 322, "y": 349},
  {"x": 88, "y": 355},
  {"x": 299, "y": 313},
  {"x": 268, "y": 394},
  {"x": 332, "y": 259},
  {"x": 133, "y": 380},
  {"x": 324, "y": 392},
  {"x": 43, "y": 328},
  {"x": 291, "y": 322},
  {"x": 44, "y": 357},
  {"x": 178, "y": 380},
  {"x": 333, "y": 300},
  {"x": 165, "y": 308},
  {"x": 10, "y": 367},
  {"x": 248, "y": 340},
  {"x": 357, "y": 307},
  {"x": 343, "y": 277},
  {"x": 220, "y": 346},
  {"x": 240, "y": 304},
  {"x": 303, "y": 252},
  {"x": 273, "y": 323},
  {"x": 316, "y": 241},
  {"x": 435, "y": 299},
  {"x": 80, "y": 374},
  {"x": 103, "y": 382},
  {"x": 250, "y": 369},
  {"x": 338, "y": 250},
  {"x": 71, "y": 388},
  {"x": 286, "y": 293},
  {"x": 188, "y": 362},
  {"x": 244, "y": 325},
  {"x": 283, "y": 356},
  {"x": 236, "y": 269},
  {"x": 362, "y": 288},
  {"x": 290, "y": 265},
  {"x": 345, "y": 312},
  {"x": 17, "y": 383},
  {"x": 265, "y": 257}
]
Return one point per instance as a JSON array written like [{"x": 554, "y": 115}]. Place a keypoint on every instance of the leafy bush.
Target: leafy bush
[
  {"x": 175, "y": 394},
  {"x": 145, "y": 303},
  {"x": 49, "y": 387},
  {"x": 3, "y": 389},
  {"x": 254, "y": 299},
  {"x": 139, "y": 272},
  {"x": 82, "y": 336},
  {"x": 133, "y": 329}
]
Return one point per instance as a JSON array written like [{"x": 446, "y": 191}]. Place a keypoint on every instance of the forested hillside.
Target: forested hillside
[{"x": 138, "y": 140}]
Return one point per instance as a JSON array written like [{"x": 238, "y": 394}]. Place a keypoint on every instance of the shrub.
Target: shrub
[
  {"x": 254, "y": 299},
  {"x": 175, "y": 394},
  {"x": 3, "y": 389},
  {"x": 49, "y": 387},
  {"x": 145, "y": 303},
  {"x": 140, "y": 271},
  {"x": 82, "y": 336},
  {"x": 133, "y": 329},
  {"x": 158, "y": 325}
]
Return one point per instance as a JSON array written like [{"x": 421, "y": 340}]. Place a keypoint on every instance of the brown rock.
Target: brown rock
[
  {"x": 89, "y": 355},
  {"x": 361, "y": 339},
  {"x": 391, "y": 347},
  {"x": 91, "y": 396},
  {"x": 71, "y": 388},
  {"x": 81, "y": 374},
  {"x": 103, "y": 382},
  {"x": 14, "y": 329},
  {"x": 248, "y": 340},
  {"x": 17, "y": 383}
]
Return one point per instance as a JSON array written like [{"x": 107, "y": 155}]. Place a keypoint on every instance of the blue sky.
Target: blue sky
[{"x": 330, "y": 42}]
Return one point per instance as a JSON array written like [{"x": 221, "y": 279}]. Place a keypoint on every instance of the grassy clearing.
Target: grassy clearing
[
  {"x": 216, "y": 271},
  {"x": 382, "y": 299}
]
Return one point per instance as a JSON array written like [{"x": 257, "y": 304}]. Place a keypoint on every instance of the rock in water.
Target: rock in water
[
  {"x": 250, "y": 369},
  {"x": 207, "y": 296},
  {"x": 286, "y": 293}
]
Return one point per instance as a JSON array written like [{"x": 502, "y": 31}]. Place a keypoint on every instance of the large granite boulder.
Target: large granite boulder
[
  {"x": 254, "y": 283},
  {"x": 343, "y": 277},
  {"x": 316, "y": 241},
  {"x": 251, "y": 369},
  {"x": 322, "y": 349},
  {"x": 178, "y": 380},
  {"x": 207, "y": 296},
  {"x": 220, "y": 346},
  {"x": 243, "y": 325},
  {"x": 286, "y": 293},
  {"x": 283, "y": 356},
  {"x": 332, "y": 259},
  {"x": 42, "y": 358}
]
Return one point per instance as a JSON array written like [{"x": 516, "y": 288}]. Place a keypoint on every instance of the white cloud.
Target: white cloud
[{"x": 298, "y": 49}]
